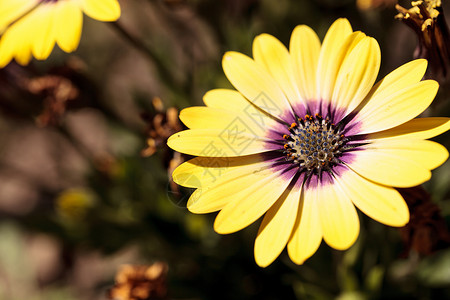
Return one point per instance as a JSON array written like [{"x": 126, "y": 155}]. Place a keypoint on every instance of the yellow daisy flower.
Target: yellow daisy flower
[
  {"x": 32, "y": 27},
  {"x": 306, "y": 138}
]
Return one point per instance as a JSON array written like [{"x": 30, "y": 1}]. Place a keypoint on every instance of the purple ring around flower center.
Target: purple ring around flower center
[{"x": 318, "y": 141}]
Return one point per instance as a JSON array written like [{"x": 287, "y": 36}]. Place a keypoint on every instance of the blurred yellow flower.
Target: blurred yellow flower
[
  {"x": 73, "y": 204},
  {"x": 306, "y": 137},
  {"x": 372, "y": 4},
  {"x": 32, "y": 27}
]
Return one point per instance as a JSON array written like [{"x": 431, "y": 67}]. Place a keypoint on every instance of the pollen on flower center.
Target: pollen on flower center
[{"x": 314, "y": 143}]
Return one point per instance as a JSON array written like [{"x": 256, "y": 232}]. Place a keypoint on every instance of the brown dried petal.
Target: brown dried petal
[
  {"x": 427, "y": 20},
  {"x": 57, "y": 91},
  {"x": 140, "y": 282}
]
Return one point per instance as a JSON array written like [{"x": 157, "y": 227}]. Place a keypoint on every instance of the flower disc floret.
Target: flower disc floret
[{"x": 314, "y": 144}]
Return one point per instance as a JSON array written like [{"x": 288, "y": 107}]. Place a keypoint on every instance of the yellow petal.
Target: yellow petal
[
  {"x": 307, "y": 232},
  {"x": 214, "y": 193},
  {"x": 357, "y": 75},
  {"x": 250, "y": 200},
  {"x": 270, "y": 53},
  {"x": 201, "y": 172},
  {"x": 16, "y": 42},
  {"x": 305, "y": 49},
  {"x": 7, "y": 51},
  {"x": 23, "y": 55},
  {"x": 235, "y": 140},
  {"x": 212, "y": 118},
  {"x": 338, "y": 217},
  {"x": 253, "y": 81},
  {"x": 11, "y": 11},
  {"x": 102, "y": 10},
  {"x": 427, "y": 153},
  {"x": 68, "y": 22},
  {"x": 397, "y": 107},
  {"x": 399, "y": 162},
  {"x": 422, "y": 128},
  {"x": 331, "y": 56},
  {"x": 381, "y": 203},
  {"x": 232, "y": 100},
  {"x": 42, "y": 24},
  {"x": 402, "y": 77},
  {"x": 276, "y": 227},
  {"x": 226, "y": 99}
]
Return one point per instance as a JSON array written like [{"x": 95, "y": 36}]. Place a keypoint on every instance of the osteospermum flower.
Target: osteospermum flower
[
  {"x": 32, "y": 27},
  {"x": 306, "y": 138}
]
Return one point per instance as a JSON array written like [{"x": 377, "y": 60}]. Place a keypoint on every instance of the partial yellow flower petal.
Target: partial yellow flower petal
[
  {"x": 226, "y": 99},
  {"x": 11, "y": 10},
  {"x": 16, "y": 42},
  {"x": 276, "y": 227},
  {"x": 305, "y": 49},
  {"x": 331, "y": 57},
  {"x": 250, "y": 200},
  {"x": 35, "y": 26},
  {"x": 357, "y": 75},
  {"x": 22, "y": 55},
  {"x": 402, "y": 77},
  {"x": 338, "y": 217},
  {"x": 423, "y": 128},
  {"x": 331, "y": 74},
  {"x": 270, "y": 53},
  {"x": 428, "y": 153},
  {"x": 232, "y": 100},
  {"x": 201, "y": 172},
  {"x": 69, "y": 18},
  {"x": 307, "y": 233},
  {"x": 254, "y": 82},
  {"x": 381, "y": 203},
  {"x": 399, "y": 162},
  {"x": 235, "y": 141},
  {"x": 400, "y": 106},
  {"x": 7, "y": 51},
  {"x": 215, "y": 194},
  {"x": 102, "y": 10},
  {"x": 42, "y": 24},
  {"x": 208, "y": 117}
]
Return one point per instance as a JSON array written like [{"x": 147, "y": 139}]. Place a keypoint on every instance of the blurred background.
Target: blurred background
[{"x": 84, "y": 169}]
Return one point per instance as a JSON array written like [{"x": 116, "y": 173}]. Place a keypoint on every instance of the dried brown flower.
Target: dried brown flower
[
  {"x": 57, "y": 91},
  {"x": 137, "y": 282},
  {"x": 426, "y": 231},
  {"x": 427, "y": 20},
  {"x": 161, "y": 125}
]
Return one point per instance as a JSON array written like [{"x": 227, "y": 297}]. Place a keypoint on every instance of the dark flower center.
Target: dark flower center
[{"x": 314, "y": 143}]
